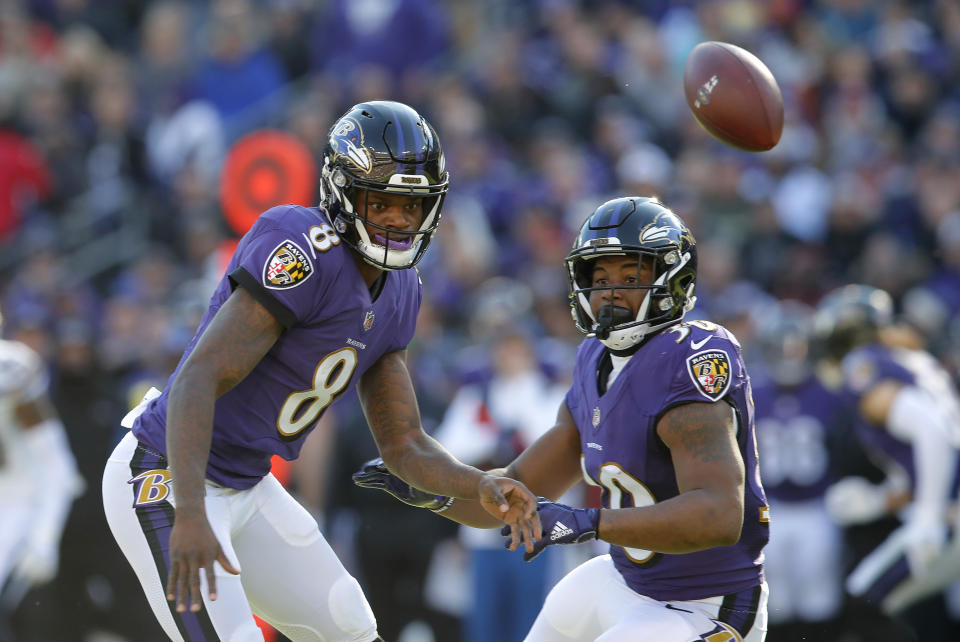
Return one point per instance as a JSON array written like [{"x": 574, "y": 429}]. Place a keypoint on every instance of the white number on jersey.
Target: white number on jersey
[
  {"x": 331, "y": 377},
  {"x": 792, "y": 450},
  {"x": 620, "y": 484},
  {"x": 323, "y": 237}
]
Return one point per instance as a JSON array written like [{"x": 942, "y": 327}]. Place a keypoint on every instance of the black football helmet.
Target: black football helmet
[
  {"x": 645, "y": 227},
  {"x": 383, "y": 146},
  {"x": 849, "y": 317}
]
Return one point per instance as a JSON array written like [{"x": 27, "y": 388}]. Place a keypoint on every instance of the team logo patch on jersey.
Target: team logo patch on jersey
[
  {"x": 287, "y": 267},
  {"x": 710, "y": 371}
]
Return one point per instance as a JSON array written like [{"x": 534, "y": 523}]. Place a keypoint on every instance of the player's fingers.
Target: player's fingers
[
  {"x": 537, "y": 549},
  {"x": 196, "y": 596},
  {"x": 172, "y": 581},
  {"x": 225, "y": 563},
  {"x": 537, "y": 526},
  {"x": 498, "y": 498},
  {"x": 183, "y": 587},
  {"x": 528, "y": 539},
  {"x": 514, "y": 535},
  {"x": 211, "y": 582}
]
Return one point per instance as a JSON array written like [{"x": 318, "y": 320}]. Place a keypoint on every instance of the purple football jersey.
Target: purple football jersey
[
  {"x": 622, "y": 453},
  {"x": 794, "y": 427},
  {"x": 293, "y": 263},
  {"x": 868, "y": 365}
]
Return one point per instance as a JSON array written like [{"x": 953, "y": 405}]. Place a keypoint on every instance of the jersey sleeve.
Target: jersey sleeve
[
  {"x": 703, "y": 374},
  {"x": 280, "y": 270}
]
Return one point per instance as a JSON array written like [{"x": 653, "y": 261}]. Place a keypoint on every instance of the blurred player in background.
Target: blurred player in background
[
  {"x": 314, "y": 301},
  {"x": 798, "y": 420},
  {"x": 907, "y": 418},
  {"x": 659, "y": 417},
  {"x": 38, "y": 478},
  {"x": 488, "y": 423}
]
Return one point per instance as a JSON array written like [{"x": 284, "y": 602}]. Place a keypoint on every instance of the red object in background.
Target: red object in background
[
  {"x": 262, "y": 170},
  {"x": 23, "y": 175}
]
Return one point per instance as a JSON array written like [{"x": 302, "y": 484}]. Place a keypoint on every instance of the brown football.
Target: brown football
[{"x": 733, "y": 96}]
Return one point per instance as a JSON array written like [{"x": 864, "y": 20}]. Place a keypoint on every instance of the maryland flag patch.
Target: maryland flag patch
[
  {"x": 710, "y": 371},
  {"x": 287, "y": 267}
]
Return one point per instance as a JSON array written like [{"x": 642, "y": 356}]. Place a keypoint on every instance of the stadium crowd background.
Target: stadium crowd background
[{"x": 116, "y": 115}]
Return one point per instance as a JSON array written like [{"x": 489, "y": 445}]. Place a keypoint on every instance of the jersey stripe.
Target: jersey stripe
[
  {"x": 156, "y": 522},
  {"x": 739, "y": 610}
]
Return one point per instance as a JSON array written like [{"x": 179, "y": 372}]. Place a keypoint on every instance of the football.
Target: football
[{"x": 733, "y": 96}]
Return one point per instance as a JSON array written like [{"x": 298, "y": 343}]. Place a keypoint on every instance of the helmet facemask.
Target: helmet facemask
[
  {"x": 387, "y": 249},
  {"x": 667, "y": 297}
]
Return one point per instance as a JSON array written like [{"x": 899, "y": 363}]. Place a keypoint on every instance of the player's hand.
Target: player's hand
[
  {"x": 854, "y": 500},
  {"x": 193, "y": 546},
  {"x": 374, "y": 474},
  {"x": 561, "y": 525},
  {"x": 925, "y": 540},
  {"x": 510, "y": 501},
  {"x": 38, "y": 562}
]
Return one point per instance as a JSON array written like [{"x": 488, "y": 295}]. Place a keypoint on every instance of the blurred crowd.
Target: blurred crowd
[{"x": 116, "y": 117}]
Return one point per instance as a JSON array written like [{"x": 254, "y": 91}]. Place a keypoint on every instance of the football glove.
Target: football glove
[
  {"x": 561, "y": 525},
  {"x": 924, "y": 539},
  {"x": 38, "y": 562},
  {"x": 854, "y": 500},
  {"x": 374, "y": 474}
]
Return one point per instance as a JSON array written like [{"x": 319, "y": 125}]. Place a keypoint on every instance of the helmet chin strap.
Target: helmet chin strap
[{"x": 608, "y": 317}]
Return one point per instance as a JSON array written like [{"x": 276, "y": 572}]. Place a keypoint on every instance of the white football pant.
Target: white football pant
[{"x": 289, "y": 576}]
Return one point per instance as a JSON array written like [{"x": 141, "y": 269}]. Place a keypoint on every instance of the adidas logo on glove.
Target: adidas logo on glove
[{"x": 560, "y": 530}]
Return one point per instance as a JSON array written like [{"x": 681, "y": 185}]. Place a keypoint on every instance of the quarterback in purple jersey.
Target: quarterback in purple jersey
[
  {"x": 907, "y": 417},
  {"x": 315, "y": 301},
  {"x": 660, "y": 417}
]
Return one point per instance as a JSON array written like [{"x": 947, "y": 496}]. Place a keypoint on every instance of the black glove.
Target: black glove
[
  {"x": 561, "y": 525},
  {"x": 374, "y": 474}
]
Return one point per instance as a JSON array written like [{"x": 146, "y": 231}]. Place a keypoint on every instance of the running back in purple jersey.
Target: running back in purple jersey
[
  {"x": 868, "y": 365},
  {"x": 794, "y": 431},
  {"x": 687, "y": 363},
  {"x": 293, "y": 263}
]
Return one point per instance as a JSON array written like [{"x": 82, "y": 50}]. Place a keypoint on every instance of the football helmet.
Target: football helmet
[
  {"x": 849, "y": 317},
  {"x": 382, "y": 146},
  {"x": 783, "y": 335},
  {"x": 645, "y": 227}
]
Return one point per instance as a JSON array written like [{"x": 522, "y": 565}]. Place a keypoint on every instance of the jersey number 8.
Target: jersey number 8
[{"x": 330, "y": 378}]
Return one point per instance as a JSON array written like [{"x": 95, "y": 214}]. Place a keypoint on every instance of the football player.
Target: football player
[
  {"x": 907, "y": 418},
  {"x": 315, "y": 301},
  {"x": 660, "y": 417},
  {"x": 38, "y": 475},
  {"x": 798, "y": 424}
]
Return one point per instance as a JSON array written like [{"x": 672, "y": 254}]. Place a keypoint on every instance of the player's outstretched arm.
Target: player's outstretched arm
[
  {"x": 238, "y": 337},
  {"x": 390, "y": 405},
  {"x": 549, "y": 467}
]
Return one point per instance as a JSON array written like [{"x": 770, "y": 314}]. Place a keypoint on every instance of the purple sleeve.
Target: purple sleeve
[
  {"x": 703, "y": 375},
  {"x": 279, "y": 270}
]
